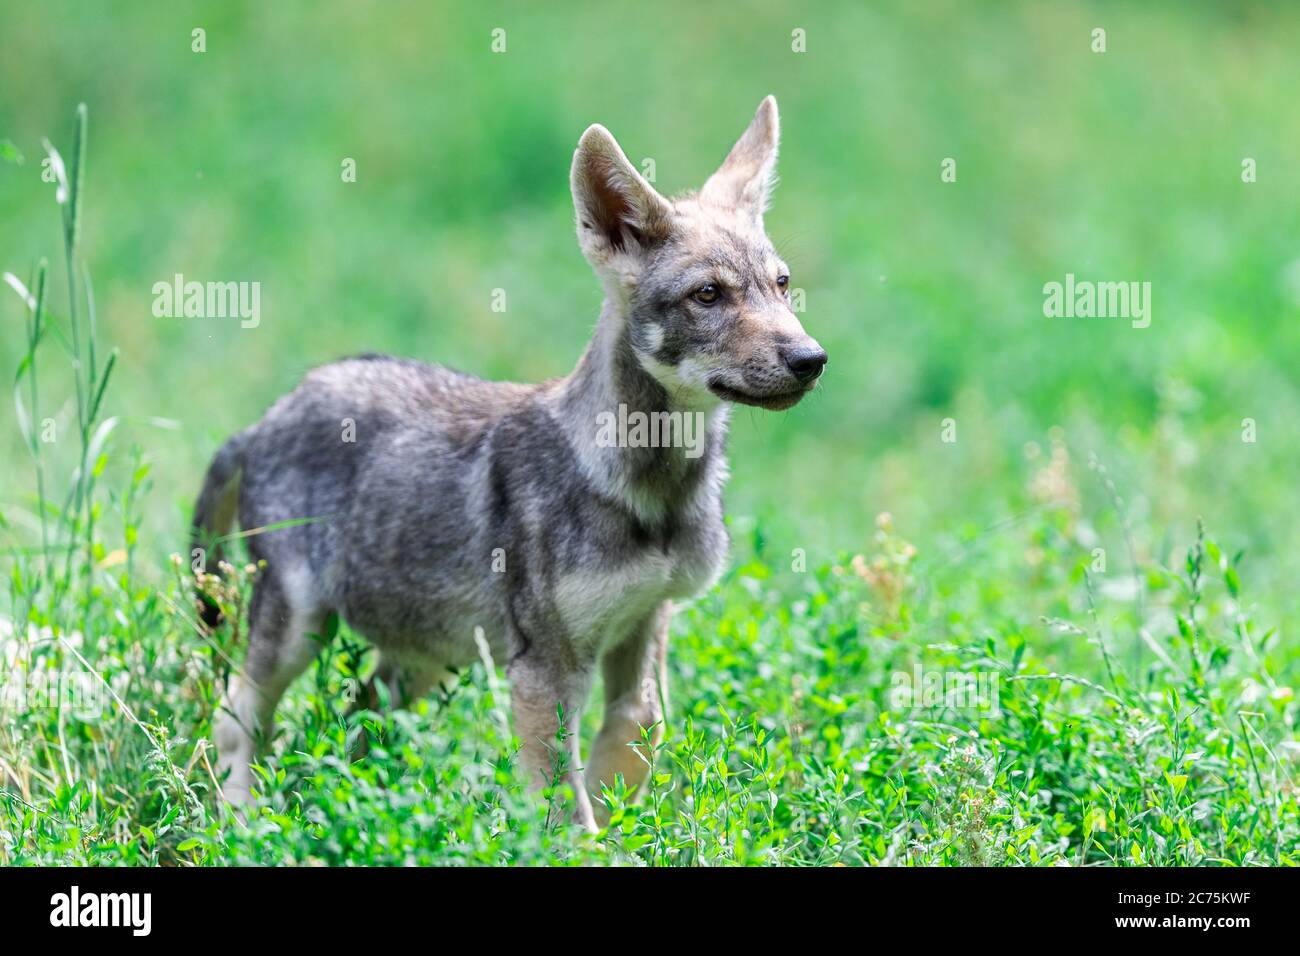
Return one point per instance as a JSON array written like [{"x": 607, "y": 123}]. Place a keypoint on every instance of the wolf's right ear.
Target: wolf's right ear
[
  {"x": 746, "y": 177},
  {"x": 617, "y": 209}
]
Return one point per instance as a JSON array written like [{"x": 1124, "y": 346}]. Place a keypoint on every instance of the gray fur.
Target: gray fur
[{"x": 446, "y": 468}]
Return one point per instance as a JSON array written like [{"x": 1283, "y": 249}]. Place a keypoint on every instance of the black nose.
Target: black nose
[{"x": 805, "y": 362}]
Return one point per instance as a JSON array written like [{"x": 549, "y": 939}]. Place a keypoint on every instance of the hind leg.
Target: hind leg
[{"x": 279, "y": 649}]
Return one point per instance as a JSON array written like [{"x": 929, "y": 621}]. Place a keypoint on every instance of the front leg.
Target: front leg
[
  {"x": 636, "y": 693},
  {"x": 540, "y": 690}
]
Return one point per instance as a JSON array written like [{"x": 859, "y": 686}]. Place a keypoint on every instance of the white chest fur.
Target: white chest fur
[{"x": 601, "y": 606}]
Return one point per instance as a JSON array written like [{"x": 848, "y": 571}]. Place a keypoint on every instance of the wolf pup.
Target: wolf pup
[{"x": 441, "y": 504}]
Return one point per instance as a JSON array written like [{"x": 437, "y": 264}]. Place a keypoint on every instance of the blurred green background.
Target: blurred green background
[{"x": 1125, "y": 165}]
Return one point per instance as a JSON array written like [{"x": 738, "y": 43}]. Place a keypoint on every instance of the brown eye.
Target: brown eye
[
  {"x": 706, "y": 294},
  {"x": 782, "y": 282}
]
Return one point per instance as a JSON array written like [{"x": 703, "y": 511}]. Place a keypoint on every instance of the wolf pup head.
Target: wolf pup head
[{"x": 705, "y": 295}]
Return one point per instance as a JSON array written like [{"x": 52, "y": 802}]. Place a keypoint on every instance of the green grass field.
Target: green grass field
[{"x": 1096, "y": 524}]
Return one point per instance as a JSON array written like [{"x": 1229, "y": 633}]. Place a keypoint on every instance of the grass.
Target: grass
[
  {"x": 788, "y": 743},
  {"x": 1098, "y": 539}
]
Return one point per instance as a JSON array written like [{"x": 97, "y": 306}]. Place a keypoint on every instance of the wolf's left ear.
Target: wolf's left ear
[
  {"x": 747, "y": 175},
  {"x": 617, "y": 209}
]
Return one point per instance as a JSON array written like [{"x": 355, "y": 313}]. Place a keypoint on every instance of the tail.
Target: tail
[{"x": 214, "y": 515}]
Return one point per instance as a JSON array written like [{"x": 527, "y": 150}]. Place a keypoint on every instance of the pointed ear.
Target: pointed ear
[
  {"x": 617, "y": 209},
  {"x": 747, "y": 175}
]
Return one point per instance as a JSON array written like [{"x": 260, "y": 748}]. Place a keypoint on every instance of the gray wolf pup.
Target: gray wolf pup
[{"x": 442, "y": 503}]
